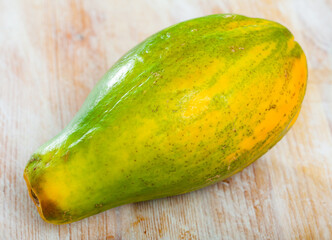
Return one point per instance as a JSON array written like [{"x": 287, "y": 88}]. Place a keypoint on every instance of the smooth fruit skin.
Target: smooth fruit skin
[{"x": 189, "y": 106}]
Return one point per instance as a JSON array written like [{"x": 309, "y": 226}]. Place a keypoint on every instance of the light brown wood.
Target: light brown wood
[{"x": 53, "y": 52}]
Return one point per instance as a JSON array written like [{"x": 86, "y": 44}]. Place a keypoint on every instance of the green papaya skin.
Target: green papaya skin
[{"x": 191, "y": 105}]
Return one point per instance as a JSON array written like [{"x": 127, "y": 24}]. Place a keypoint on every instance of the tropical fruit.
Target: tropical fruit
[{"x": 189, "y": 106}]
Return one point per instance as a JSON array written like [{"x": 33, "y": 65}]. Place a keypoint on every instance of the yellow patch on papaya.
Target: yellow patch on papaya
[{"x": 55, "y": 189}]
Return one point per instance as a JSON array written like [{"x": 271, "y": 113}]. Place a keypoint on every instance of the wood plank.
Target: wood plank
[{"x": 53, "y": 52}]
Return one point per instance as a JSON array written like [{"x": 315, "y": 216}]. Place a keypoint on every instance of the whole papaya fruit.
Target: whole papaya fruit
[{"x": 189, "y": 106}]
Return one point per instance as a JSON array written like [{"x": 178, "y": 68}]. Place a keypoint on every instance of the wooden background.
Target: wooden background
[{"x": 53, "y": 52}]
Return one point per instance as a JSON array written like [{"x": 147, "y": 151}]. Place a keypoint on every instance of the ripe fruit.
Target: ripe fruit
[{"x": 189, "y": 106}]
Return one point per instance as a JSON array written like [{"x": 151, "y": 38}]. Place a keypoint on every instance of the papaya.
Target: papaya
[{"x": 190, "y": 106}]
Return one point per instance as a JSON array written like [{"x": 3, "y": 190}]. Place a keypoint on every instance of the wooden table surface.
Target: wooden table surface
[{"x": 53, "y": 52}]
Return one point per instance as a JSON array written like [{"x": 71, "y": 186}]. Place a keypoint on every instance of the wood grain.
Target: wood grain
[{"x": 53, "y": 52}]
